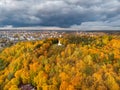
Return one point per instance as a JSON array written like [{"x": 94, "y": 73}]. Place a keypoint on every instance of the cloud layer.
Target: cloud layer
[{"x": 61, "y": 13}]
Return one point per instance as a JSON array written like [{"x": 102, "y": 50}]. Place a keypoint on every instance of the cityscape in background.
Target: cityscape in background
[{"x": 10, "y": 37}]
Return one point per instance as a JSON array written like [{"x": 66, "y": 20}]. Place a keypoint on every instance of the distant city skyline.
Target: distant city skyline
[{"x": 60, "y": 14}]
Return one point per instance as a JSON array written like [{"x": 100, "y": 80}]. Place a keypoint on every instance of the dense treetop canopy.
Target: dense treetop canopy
[{"x": 80, "y": 63}]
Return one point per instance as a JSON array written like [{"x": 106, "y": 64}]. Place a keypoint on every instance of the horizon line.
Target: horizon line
[{"x": 55, "y": 28}]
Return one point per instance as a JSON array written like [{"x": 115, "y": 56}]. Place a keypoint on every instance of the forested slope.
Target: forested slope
[{"x": 80, "y": 63}]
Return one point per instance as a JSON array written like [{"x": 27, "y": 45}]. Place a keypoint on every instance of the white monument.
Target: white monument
[{"x": 59, "y": 44}]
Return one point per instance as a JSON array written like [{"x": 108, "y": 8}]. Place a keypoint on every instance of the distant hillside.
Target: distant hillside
[{"x": 80, "y": 63}]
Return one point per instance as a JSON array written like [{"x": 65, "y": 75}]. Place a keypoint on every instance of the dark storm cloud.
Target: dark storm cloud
[{"x": 61, "y": 13}]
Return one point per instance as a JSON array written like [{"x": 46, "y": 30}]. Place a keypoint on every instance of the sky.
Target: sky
[{"x": 75, "y": 14}]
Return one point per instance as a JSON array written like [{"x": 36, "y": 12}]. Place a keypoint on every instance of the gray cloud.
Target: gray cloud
[
  {"x": 110, "y": 24},
  {"x": 61, "y": 13}
]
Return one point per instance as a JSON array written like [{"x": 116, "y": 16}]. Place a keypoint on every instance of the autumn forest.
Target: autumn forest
[{"x": 79, "y": 63}]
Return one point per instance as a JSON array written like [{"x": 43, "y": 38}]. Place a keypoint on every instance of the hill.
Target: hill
[{"x": 80, "y": 63}]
